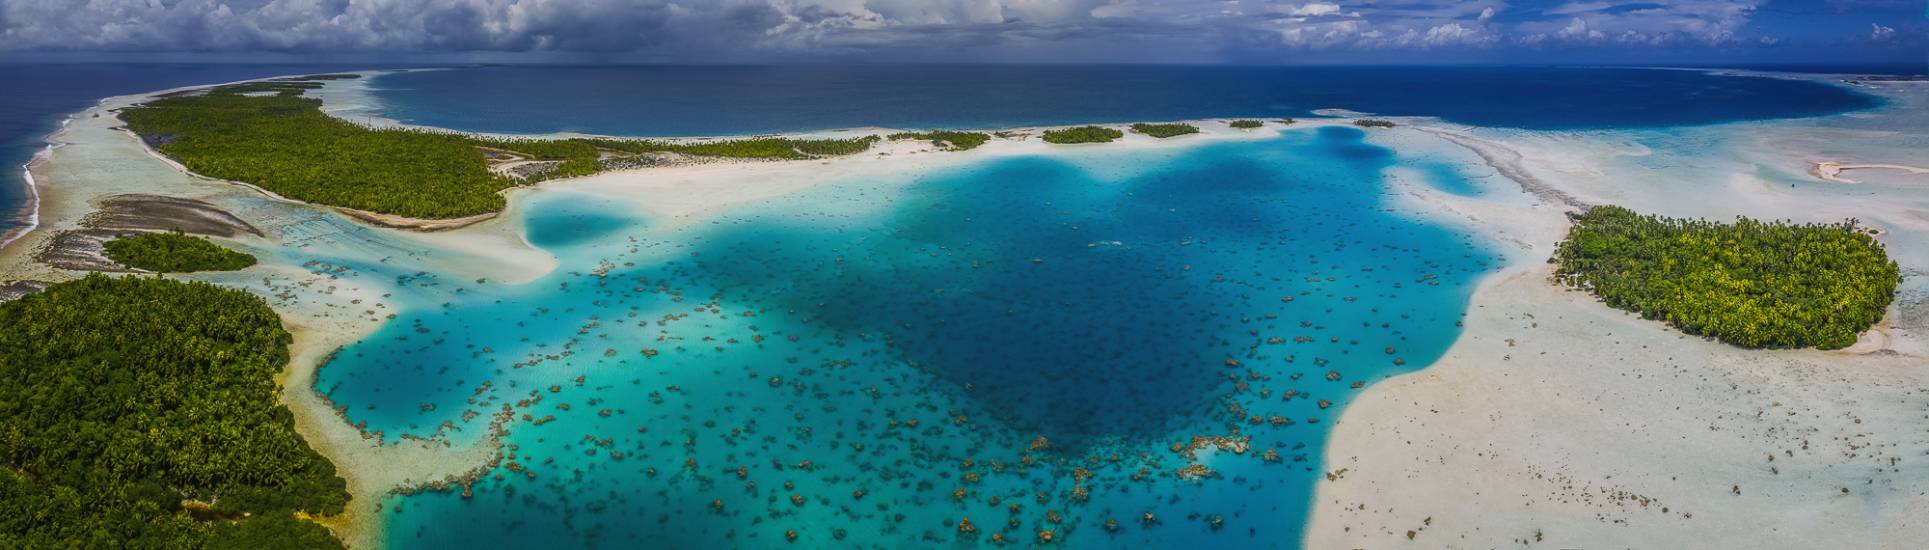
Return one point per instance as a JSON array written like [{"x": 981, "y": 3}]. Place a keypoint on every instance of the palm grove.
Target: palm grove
[
  {"x": 141, "y": 412},
  {"x": 268, "y": 135},
  {"x": 1750, "y": 283}
]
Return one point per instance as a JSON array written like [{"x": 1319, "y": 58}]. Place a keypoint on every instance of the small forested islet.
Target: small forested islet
[{"x": 1749, "y": 283}]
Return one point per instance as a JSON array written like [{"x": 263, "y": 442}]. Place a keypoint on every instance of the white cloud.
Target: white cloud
[
  {"x": 1577, "y": 30},
  {"x": 1881, "y": 33},
  {"x": 1710, "y": 22},
  {"x": 1314, "y": 9},
  {"x": 1453, "y": 34}
]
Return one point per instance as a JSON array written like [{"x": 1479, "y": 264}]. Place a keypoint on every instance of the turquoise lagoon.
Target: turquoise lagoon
[{"x": 1031, "y": 343}]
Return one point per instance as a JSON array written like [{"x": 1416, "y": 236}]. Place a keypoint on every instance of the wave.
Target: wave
[{"x": 32, "y": 219}]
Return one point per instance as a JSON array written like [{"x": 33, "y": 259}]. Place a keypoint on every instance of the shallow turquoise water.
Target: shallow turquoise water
[{"x": 1022, "y": 342}]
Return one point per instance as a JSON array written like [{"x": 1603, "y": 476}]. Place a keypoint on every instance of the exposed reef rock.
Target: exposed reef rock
[
  {"x": 83, "y": 250},
  {"x": 14, "y": 290},
  {"x": 159, "y": 213}
]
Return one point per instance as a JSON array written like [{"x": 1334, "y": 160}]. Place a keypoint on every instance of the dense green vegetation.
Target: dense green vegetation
[
  {"x": 285, "y": 144},
  {"x": 1165, "y": 130},
  {"x": 1750, "y": 283},
  {"x": 140, "y": 412},
  {"x": 1083, "y": 134},
  {"x": 332, "y": 76},
  {"x": 1247, "y": 124},
  {"x": 174, "y": 253},
  {"x": 947, "y": 138},
  {"x": 1372, "y": 123},
  {"x": 265, "y": 133}
]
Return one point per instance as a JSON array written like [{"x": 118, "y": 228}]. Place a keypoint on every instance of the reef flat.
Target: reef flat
[{"x": 1144, "y": 342}]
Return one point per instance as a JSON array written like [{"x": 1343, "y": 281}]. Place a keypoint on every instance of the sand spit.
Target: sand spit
[
  {"x": 392, "y": 221},
  {"x": 1832, "y": 171},
  {"x": 1507, "y": 161}
]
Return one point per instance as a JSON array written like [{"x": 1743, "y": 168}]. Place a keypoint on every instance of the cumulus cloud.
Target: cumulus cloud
[
  {"x": 1577, "y": 30},
  {"x": 1314, "y": 9},
  {"x": 1881, "y": 33},
  {"x": 1709, "y": 22}
]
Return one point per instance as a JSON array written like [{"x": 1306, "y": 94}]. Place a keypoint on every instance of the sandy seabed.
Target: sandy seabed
[
  {"x": 1553, "y": 422},
  {"x": 1557, "y": 422}
]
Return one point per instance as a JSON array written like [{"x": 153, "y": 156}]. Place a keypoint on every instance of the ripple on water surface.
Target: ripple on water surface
[{"x": 1021, "y": 343}]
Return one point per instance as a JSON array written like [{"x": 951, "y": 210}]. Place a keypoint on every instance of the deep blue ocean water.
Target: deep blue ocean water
[
  {"x": 1019, "y": 342},
  {"x": 700, "y": 101},
  {"x": 1032, "y": 343}
]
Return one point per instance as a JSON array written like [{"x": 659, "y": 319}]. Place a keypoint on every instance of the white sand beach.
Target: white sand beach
[
  {"x": 1557, "y": 422},
  {"x": 1554, "y": 421},
  {"x": 98, "y": 159}
]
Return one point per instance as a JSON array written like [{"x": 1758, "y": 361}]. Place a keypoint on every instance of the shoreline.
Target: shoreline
[
  {"x": 32, "y": 220},
  {"x": 374, "y": 469},
  {"x": 67, "y": 189},
  {"x": 1501, "y": 441},
  {"x": 1831, "y": 171},
  {"x": 362, "y": 105}
]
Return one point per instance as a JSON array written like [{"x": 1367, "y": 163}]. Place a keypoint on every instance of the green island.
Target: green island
[
  {"x": 1750, "y": 283},
  {"x": 1247, "y": 124},
  {"x": 1373, "y": 123},
  {"x": 267, "y": 134},
  {"x": 1083, "y": 134},
  {"x": 1165, "y": 130},
  {"x": 955, "y": 140},
  {"x": 141, "y": 412},
  {"x": 174, "y": 252}
]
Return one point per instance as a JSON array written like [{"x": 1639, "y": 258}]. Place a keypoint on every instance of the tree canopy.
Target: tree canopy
[
  {"x": 946, "y": 138},
  {"x": 1750, "y": 283},
  {"x": 1165, "y": 130},
  {"x": 141, "y": 412},
  {"x": 1083, "y": 134},
  {"x": 266, "y": 134},
  {"x": 285, "y": 144},
  {"x": 174, "y": 252}
]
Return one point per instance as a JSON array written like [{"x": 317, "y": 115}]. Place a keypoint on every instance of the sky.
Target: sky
[{"x": 967, "y": 31}]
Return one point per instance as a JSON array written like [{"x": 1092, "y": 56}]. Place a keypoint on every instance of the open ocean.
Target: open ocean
[
  {"x": 703, "y": 101},
  {"x": 1031, "y": 343}
]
